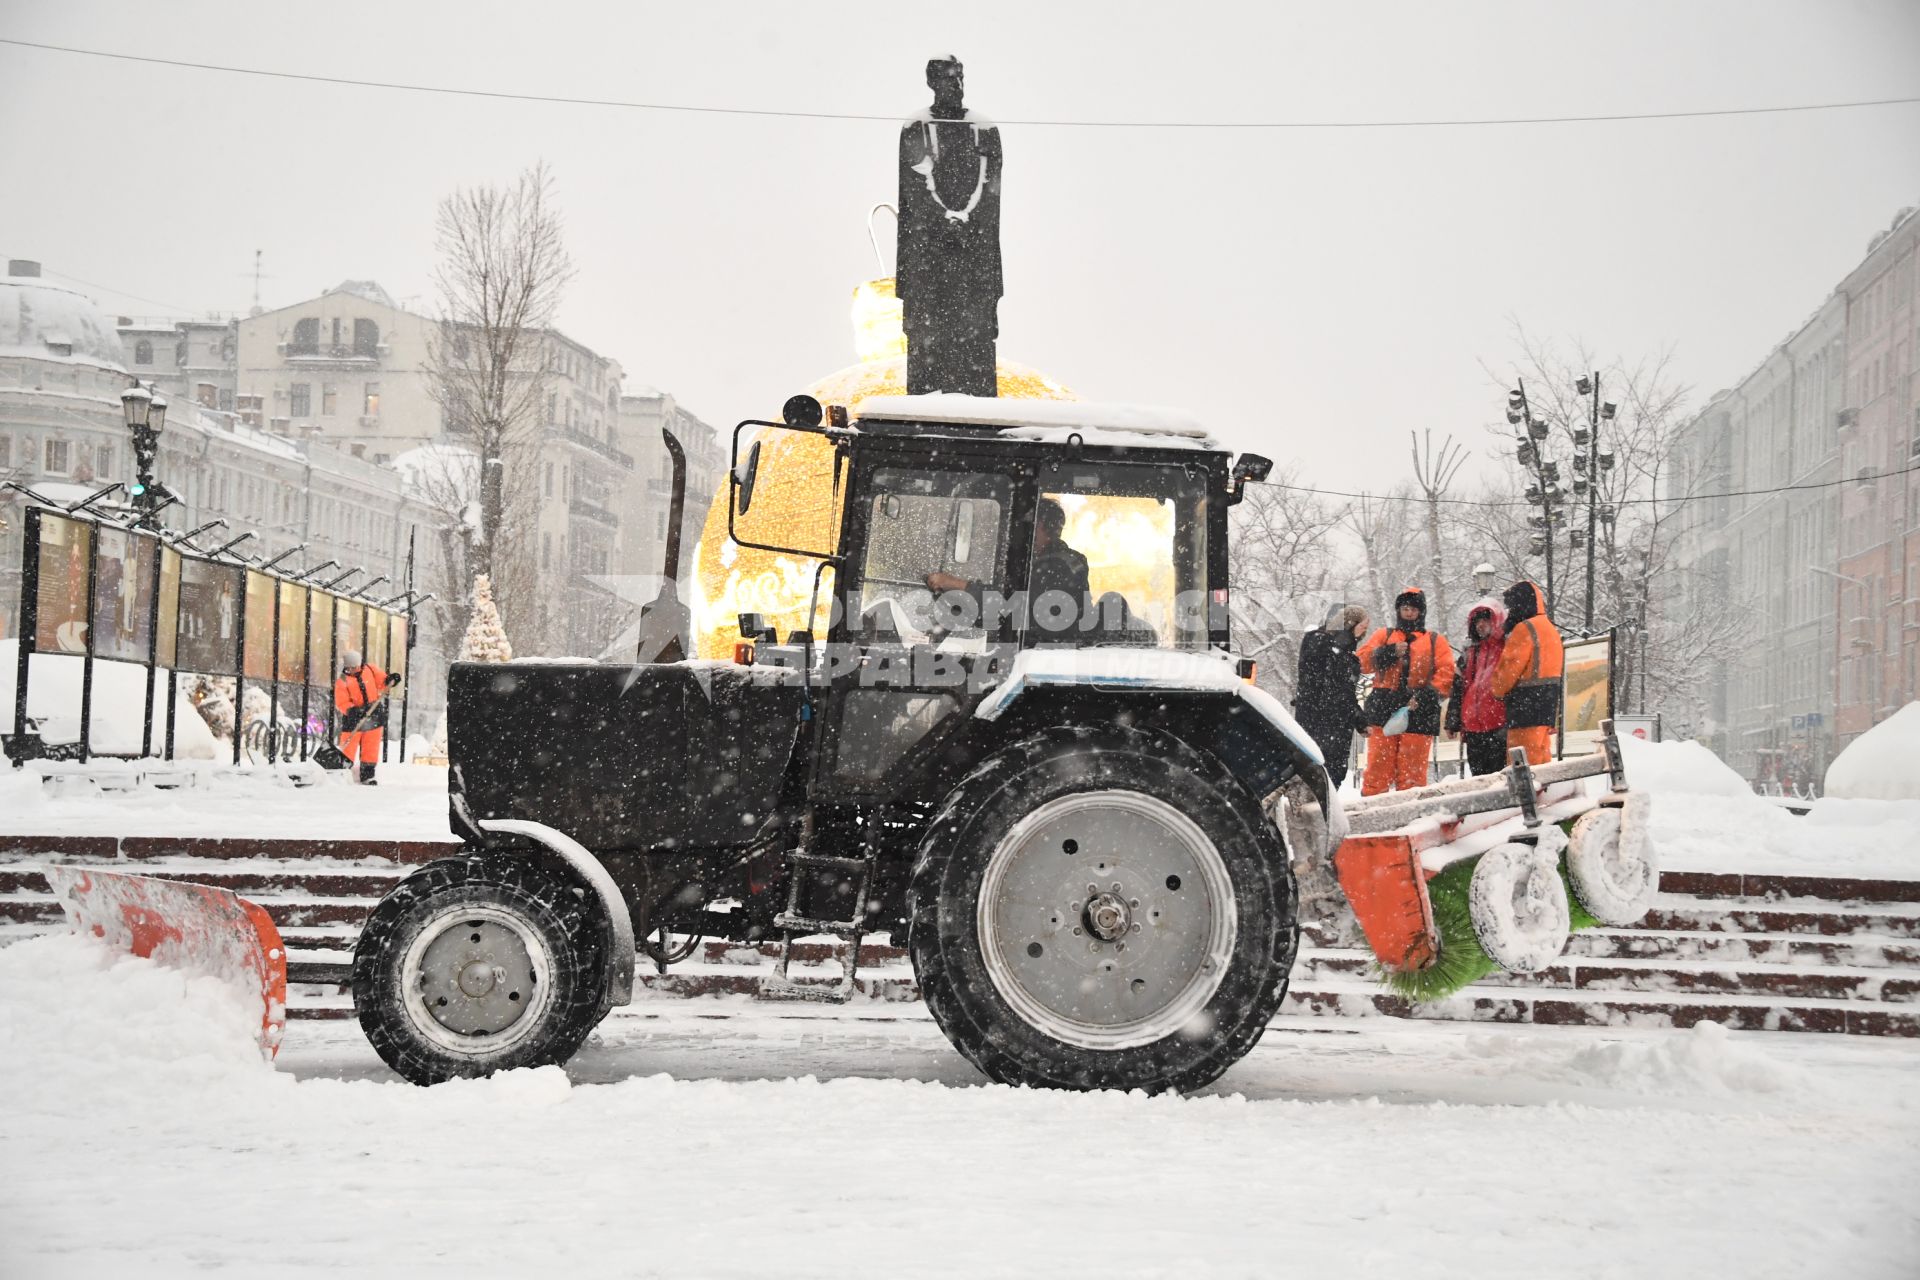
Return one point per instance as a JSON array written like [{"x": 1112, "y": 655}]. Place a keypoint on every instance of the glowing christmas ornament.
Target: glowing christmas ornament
[{"x": 794, "y": 501}]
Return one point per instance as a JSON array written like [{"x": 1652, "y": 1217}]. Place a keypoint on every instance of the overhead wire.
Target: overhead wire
[
  {"x": 891, "y": 118},
  {"x": 1675, "y": 500}
]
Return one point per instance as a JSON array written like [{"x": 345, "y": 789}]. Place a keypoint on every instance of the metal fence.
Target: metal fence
[{"x": 107, "y": 593}]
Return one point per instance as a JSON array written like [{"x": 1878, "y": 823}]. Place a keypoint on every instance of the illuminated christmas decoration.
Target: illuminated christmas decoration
[{"x": 794, "y": 502}]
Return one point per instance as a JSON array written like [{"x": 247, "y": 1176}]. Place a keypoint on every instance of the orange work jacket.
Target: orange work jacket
[
  {"x": 354, "y": 696},
  {"x": 1533, "y": 665}
]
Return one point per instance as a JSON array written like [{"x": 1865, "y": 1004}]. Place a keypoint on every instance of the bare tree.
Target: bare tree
[
  {"x": 1674, "y": 617},
  {"x": 1433, "y": 474},
  {"x": 503, "y": 268},
  {"x": 1286, "y": 573}
]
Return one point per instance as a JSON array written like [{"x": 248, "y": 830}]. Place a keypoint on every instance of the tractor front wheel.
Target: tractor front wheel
[
  {"x": 479, "y": 964},
  {"x": 1102, "y": 908}
]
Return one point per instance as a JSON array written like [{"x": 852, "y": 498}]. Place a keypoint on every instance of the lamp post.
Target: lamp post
[
  {"x": 1531, "y": 449},
  {"x": 1484, "y": 575},
  {"x": 146, "y": 416},
  {"x": 1588, "y": 466}
]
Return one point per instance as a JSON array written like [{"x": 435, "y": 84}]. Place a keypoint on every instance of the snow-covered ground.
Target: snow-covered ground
[{"x": 143, "y": 1135}]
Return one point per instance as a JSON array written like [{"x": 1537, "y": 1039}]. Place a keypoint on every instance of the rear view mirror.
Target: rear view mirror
[
  {"x": 743, "y": 479},
  {"x": 1248, "y": 466}
]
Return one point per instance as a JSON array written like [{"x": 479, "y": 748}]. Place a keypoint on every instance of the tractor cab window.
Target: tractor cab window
[
  {"x": 1119, "y": 557},
  {"x": 947, "y": 525}
]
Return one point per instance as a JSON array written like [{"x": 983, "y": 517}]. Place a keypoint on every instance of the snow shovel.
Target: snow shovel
[
  {"x": 328, "y": 755},
  {"x": 195, "y": 927}
]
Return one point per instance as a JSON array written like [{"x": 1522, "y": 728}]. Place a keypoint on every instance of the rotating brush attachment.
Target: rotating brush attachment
[{"x": 1463, "y": 961}]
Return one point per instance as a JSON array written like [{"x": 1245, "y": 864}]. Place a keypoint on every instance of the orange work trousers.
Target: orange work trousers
[
  {"x": 1536, "y": 741},
  {"x": 362, "y": 746},
  {"x": 1399, "y": 762}
]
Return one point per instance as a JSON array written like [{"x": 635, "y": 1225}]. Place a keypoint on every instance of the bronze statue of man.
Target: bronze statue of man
[{"x": 948, "y": 275}]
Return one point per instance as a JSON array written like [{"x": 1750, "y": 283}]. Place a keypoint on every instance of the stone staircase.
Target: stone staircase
[{"x": 1754, "y": 952}]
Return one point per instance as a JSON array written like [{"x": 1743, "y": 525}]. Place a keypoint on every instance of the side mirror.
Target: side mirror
[
  {"x": 743, "y": 479},
  {"x": 1248, "y": 466}
]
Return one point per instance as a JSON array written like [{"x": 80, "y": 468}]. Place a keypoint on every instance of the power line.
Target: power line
[
  {"x": 118, "y": 293},
  {"x": 1617, "y": 502},
  {"x": 687, "y": 108}
]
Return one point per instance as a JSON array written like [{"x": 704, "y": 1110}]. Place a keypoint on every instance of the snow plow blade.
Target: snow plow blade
[{"x": 194, "y": 927}]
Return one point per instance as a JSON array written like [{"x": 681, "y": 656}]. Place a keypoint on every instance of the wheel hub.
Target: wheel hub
[
  {"x": 474, "y": 975},
  {"x": 1108, "y": 917},
  {"x": 477, "y": 977}
]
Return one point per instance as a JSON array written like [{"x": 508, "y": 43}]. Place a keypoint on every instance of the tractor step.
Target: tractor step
[
  {"x": 806, "y": 926},
  {"x": 797, "y": 922}
]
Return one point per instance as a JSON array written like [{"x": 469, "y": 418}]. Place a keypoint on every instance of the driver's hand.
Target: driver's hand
[{"x": 938, "y": 581}]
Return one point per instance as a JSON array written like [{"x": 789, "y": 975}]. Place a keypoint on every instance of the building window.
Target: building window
[
  {"x": 546, "y": 546},
  {"x": 366, "y": 338},
  {"x": 301, "y": 405},
  {"x": 372, "y": 401},
  {"x": 143, "y": 352},
  {"x": 103, "y": 461},
  {"x": 6, "y": 451},
  {"x": 546, "y": 485},
  {"x": 57, "y": 457},
  {"x": 336, "y": 333},
  {"x": 329, "y": 399},
  {"x": 306, "y": 337}
]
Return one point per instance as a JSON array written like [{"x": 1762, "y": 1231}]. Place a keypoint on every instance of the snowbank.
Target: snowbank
[
  {"x": 1663, "y": 768},
  {"x": 145, "y": 1135},
  {"x": 119, "y": 692},
  {"x": 1881, "y": 764}
]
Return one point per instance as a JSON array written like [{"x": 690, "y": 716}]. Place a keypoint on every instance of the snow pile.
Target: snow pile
[
  {"x": 108, "y": 1022},
  {"x": 1881, "y": 764},
  {"x": 1663, "y": 768},
  {"x": 119, "y": 690},
  {"x": 1706, "y": 1056}
]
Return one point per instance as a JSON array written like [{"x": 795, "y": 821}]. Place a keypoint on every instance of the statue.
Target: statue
[{"x": 948, "y": 274}]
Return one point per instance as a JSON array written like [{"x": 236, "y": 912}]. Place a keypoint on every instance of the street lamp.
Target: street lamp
[
  {"x": 146, "y": 415},
  {"x": 1587, "y": 468},
  {"x": 1544, "y": 492},
  {"x": 1484, "y": 575}
]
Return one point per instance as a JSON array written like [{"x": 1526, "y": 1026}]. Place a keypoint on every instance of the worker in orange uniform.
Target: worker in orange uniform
[
  {"x": 1533, "y": 665},
  {"x": 360, "y": 696},
  {"x": 1412, "y": 668}
]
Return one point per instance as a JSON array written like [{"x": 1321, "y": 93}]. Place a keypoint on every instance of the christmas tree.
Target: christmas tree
[{"x": 486, "y": 639}]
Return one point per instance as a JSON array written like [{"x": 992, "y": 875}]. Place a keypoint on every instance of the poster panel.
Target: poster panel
[
  {"x": 291, "y": 668},
  {"x": 169, "y": 607},
  {"x": 123, "y": 594},
  {"x": 377, "y": 637},
  {"x": 209, "y": 615},
  {"x": 349, "y": 632},
  {"x": 259, "y": 642},
  {"x": 320, "y": 627},
  {"x": 61, "y": 626},
  {"x": 1588, "y": 686},
  {"x": 397, "y": 649}
]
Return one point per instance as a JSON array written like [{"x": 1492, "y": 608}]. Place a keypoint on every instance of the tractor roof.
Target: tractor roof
[{"x": 1046, "y": 421}]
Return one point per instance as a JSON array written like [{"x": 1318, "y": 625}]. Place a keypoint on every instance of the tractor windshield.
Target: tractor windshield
[
  {"x": 949, "y": 524},
  {"x": 1139, "y": 536}
]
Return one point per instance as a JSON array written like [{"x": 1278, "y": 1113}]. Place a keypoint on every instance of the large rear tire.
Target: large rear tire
[
  {"x": 479, "y": 964},
  {"x": 1102, "y": 909}
]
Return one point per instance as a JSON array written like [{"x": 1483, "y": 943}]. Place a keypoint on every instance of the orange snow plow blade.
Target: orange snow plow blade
[{"x": 187, "y": 926}]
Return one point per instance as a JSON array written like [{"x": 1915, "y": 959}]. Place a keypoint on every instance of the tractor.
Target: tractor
[{"x": 1040, "y": 769}]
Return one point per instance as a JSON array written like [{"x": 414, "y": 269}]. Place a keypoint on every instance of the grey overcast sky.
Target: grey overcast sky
[{"x": 1313, "y": 293}]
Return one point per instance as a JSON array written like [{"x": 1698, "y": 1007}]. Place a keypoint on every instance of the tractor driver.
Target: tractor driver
[{"x": 1057, "y": 587}]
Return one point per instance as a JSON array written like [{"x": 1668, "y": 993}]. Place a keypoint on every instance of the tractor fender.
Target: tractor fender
[
  {"x": 620, "y": 961},
  {"x": 1248, "y": 729}
]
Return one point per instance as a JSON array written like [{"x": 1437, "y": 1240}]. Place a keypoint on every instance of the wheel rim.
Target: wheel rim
[
  {"x": 476, "y": 980},
  {"x": 1107, "y": 920}
]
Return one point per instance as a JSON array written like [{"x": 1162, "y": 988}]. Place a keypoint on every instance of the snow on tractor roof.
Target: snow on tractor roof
[{"x": 1050, "y": 421}]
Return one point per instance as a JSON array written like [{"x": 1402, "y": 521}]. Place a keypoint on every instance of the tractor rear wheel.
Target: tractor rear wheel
[
  {"x": 475, "y": 965},
  {"x": 1102, "y": 908}
]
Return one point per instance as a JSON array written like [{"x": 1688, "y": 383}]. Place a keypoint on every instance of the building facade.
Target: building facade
[
  {"x": 63, "y": 434},
  {"x": 1877, "y": 590},
  {"x": 644, "y": 412}
]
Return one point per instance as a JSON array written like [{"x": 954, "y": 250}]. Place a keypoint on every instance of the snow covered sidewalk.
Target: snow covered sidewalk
[{"x": 143, "y": 1136}]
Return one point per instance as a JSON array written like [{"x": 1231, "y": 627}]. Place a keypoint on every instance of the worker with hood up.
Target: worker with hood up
[
  {"x": 1474, "y": 712},
  {"x": 1326, "y": 693},
  {"x": 1532, "y": 668},
  {"x": 1412, "y": 669}
]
